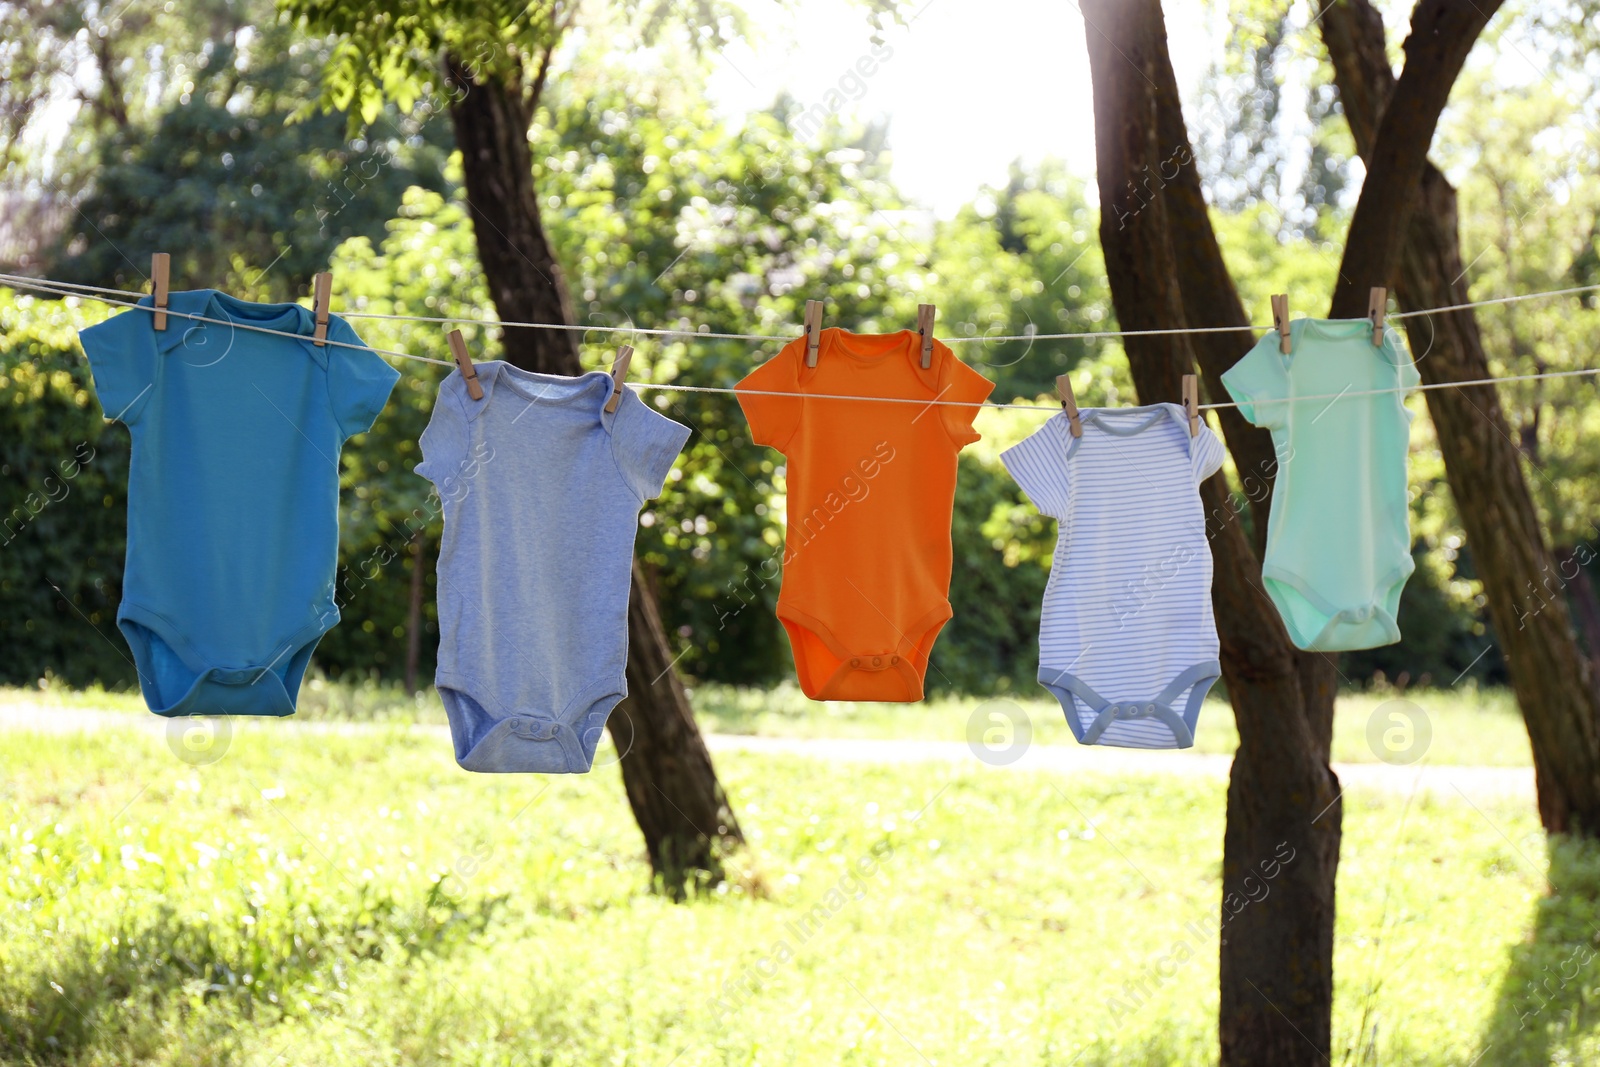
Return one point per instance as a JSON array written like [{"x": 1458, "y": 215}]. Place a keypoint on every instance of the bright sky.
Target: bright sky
[{"x": 970, "y": 86}]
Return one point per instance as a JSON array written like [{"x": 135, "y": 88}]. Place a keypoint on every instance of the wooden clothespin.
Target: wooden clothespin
[
  {"x": 1280, "y": 321},
  {"x": 1069, "y": 404},
  {"x": 321, "y": 296},
  {"x": 619, "y": 374},
  {"x": 813, "y": 330},
  {"x": 160, "y": 276},
  {"x": 925, "y": 316},
  {"x": 1191, "y": 403},
  {"x": 1377, "y": 305},
  {"x": 458, "y": 349}
]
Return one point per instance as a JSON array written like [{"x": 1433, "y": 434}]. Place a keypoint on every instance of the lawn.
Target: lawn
[
  {"x": 352, "y": 897},
  {"x": 1466, "y": 726}
]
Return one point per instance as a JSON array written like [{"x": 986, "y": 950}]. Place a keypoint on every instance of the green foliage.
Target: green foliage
[
  {"x": 1267, "y": 132},
  {"x": 63, "y": 493},
  {"x": 1529, "y": 207},
  {"x": 123, "y": 63},
  {"x": 391, "y": 52},
  {"x": 991, "y": 644},
  {"x": 241, "y": 197},
  {"x": 1023, "y": 259},
  {"x": 662, "y": 216}
]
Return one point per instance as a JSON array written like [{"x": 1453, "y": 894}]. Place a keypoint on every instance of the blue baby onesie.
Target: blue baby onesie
[
  {"x": 1338, "y": 540},
  {"x": 541, "y": 489},
  {"x": 233, "y": 493}
]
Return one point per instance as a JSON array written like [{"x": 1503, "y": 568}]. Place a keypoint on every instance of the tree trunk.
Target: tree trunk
[
  {"x": 687, "y": 821},
  {"x": 1572, "y": 567},
  {"x": 1281, "y": 844},
  {"x": 1442, "y": 33},
  {"x": 671, "y": 783},
  {"x": 525, "y": 280},
  {"x": 414, "y": 611},
  {"x": 1549, "y": 674}
]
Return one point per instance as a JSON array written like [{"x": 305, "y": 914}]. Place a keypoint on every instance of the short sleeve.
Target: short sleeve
[
  {"x": 962, "y": 392},
  {"x": 1206, "y": 454},
  {"x": 645, "y": 443},
  {"x": 1039, "y": 465},
  {"x": 444, "y": 440},
  {"x": 123, "y": 357},
  {"x": 359, "y": 380},
  {"x": 773, "y": 419},
  {"x": 1258, "y": 378}
]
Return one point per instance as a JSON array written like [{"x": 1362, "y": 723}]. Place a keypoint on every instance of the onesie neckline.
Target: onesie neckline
[
  {"x": 1106, "y": 418},
  {"x": 882, "y": 350},
  {"x": 214, "y": 304},
  {"x": 1335, "y": 330},
  {"x": 837, "y": 341},
  {"x": 541, "y": 388}
]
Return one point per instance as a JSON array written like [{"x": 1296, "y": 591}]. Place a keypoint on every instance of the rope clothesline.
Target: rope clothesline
[
  {"x": 82, "y": 291},
  {"x": 708, "y": 335}
]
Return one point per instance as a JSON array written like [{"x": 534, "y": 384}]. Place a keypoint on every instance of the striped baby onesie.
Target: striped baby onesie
[{"x": 1127, "y": 639}]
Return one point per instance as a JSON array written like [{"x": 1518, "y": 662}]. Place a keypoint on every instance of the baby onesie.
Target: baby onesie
[
  {"x": 1339, "y": 537},
  {"x": 871, "y": 485},
  {"x": 233, "y": 493},
  {"x": 1127, "y": 639},
  {"x": 541, "y": 489}
]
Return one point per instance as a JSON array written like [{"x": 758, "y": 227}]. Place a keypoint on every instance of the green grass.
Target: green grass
[
  {"x": 354, "y": 898},
  {"x": 1468, "y": 726}
]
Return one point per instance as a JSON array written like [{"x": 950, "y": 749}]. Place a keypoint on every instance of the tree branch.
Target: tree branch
[{"x": 1442, "y": 34}]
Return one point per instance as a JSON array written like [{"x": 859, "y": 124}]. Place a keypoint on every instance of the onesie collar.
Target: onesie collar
[
  {"x": 907, "y": 350},
  {"x": 531, "y": 386},
  {"x": 1106, "y": 420},
  {"x": 1120, "y": 421},
  {"x": 210, "y": 304}
]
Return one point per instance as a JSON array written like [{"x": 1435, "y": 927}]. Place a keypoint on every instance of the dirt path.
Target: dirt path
[{"x": 1471, "y": 783}]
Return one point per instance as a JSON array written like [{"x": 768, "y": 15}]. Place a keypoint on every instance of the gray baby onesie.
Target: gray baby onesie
[{"x": 541, "y": 490}]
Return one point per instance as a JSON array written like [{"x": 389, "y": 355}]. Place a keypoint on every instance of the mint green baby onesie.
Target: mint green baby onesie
[{"x": 1339, "y": 537}]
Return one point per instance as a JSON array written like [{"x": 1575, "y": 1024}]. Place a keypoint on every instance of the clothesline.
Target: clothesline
[
  {"x": 708, "y": 335},
  {"x": 60, "y": 288}
]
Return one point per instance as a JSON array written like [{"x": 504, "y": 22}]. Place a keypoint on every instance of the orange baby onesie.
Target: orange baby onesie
[{"x": 866, "y": 565}]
